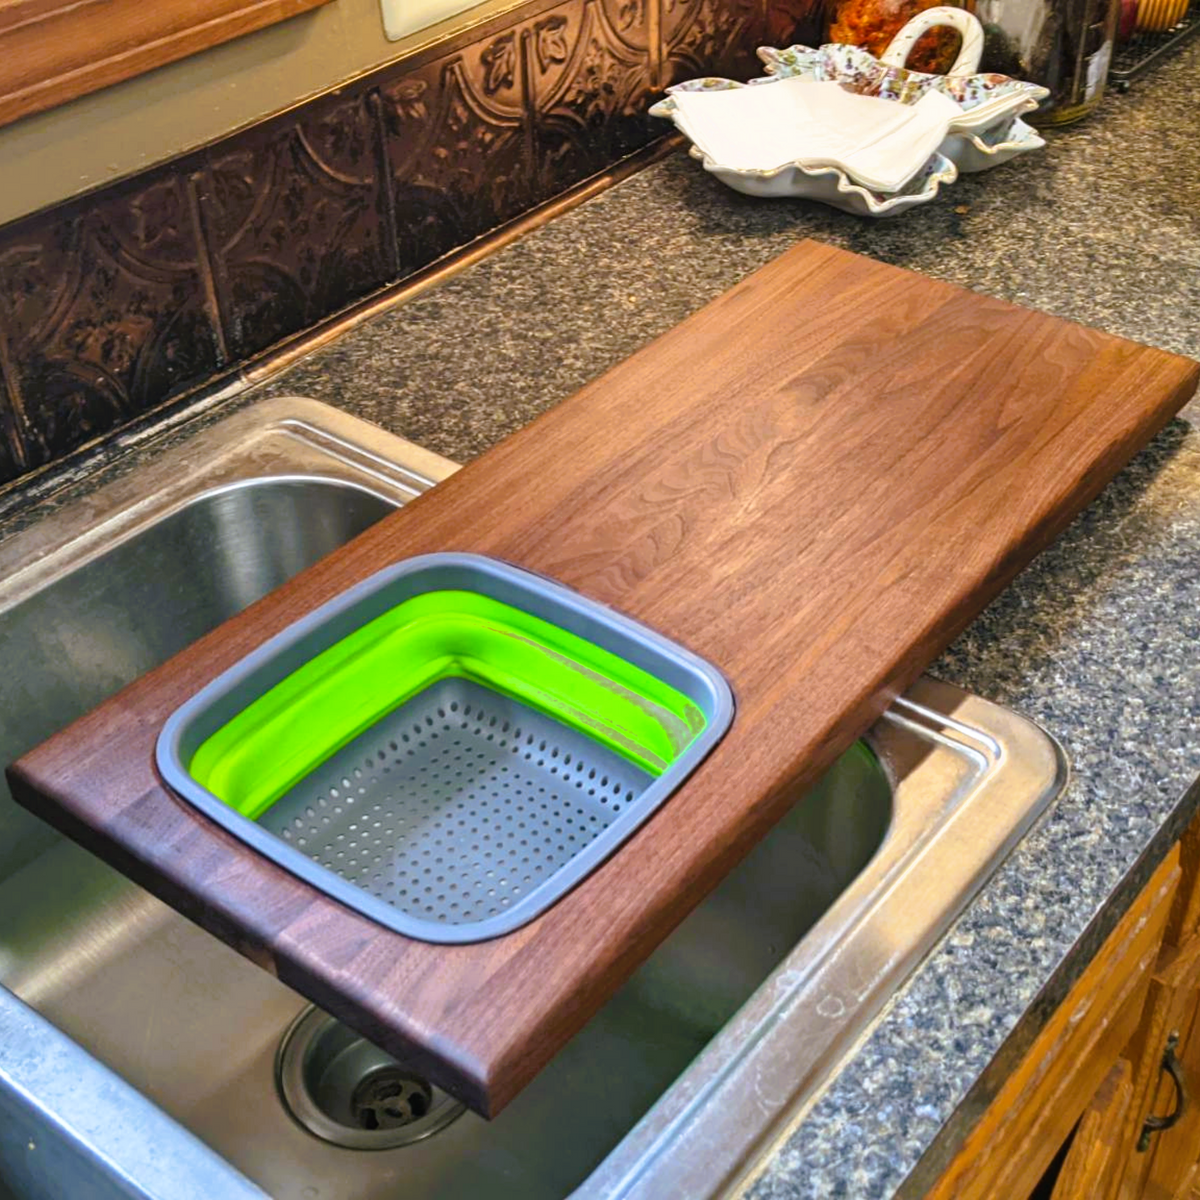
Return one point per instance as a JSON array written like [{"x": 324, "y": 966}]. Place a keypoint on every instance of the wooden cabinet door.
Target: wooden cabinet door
[
  {"x": 1165, "y": 1169},
  {"x": 1036, "y": 1108},
  {"x": 1098, "y": 1137},
  {"x": 1175, "y": 974}
]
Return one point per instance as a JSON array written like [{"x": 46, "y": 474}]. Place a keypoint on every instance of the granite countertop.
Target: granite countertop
[{"x": 1097, "y": 640}]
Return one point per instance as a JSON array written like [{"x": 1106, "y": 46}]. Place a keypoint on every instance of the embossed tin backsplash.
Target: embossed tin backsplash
[{"x": 115, "y": 303}]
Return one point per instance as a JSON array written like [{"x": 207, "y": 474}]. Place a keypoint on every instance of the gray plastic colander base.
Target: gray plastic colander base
[{"x": 458, "y": 804}]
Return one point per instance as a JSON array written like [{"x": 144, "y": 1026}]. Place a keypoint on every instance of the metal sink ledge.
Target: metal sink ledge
[{"x": 716, "y": 1046}]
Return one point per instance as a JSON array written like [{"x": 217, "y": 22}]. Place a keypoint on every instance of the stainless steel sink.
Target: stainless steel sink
[{"x": 674, "y": 1089}]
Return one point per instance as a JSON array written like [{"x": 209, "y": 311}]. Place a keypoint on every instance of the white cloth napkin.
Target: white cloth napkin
[{"x": 880, "y": 144}]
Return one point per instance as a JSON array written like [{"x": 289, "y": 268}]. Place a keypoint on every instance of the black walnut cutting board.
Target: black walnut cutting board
[{"x": 815, "y": 482}]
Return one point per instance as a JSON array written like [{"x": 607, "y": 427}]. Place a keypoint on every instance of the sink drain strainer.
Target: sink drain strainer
[
  {"x": 390, "y": 1099},
  {"x": 347, "y": 1091}
]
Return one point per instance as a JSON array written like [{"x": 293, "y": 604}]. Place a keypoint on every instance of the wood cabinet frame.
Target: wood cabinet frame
[
  {"x": 1038, "y": 1105},
  {"x": 1095, "y": 1072}
]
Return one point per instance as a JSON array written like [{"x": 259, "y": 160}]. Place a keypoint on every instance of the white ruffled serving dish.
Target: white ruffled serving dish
[
  {"x": 830, "y": 185},
  {"x": 988, "y": 132},
  {"x": 973, "y": 152}
]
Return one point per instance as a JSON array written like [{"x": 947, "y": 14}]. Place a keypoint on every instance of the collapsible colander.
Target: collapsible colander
[{"x": 449, "y": 746}]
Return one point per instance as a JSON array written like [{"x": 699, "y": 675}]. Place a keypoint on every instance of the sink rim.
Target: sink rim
[
  {"x": 285, "y": 437},
  {"x": 696, "y": 1140},
  {"x": 302, "y": 439}
]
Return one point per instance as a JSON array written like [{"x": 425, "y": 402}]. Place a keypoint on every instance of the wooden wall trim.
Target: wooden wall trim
[{"x": 52, "y": 51}]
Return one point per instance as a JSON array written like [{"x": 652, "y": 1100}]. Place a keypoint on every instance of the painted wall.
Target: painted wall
[{"x": 50, "y": 156}]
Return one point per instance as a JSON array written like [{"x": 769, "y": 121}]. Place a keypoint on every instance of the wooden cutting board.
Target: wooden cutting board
[{"x": 815, "y": 483}]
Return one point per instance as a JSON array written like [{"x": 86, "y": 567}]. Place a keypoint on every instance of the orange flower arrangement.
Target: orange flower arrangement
[{"x": 872, "y": 24}]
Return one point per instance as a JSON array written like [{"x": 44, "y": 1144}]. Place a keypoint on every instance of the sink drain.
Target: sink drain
[
  {"x": 389, "y": 1099},
  {"x": 347, "y": 1091}
]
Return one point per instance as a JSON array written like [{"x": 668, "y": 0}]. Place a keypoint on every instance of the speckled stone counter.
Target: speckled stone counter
[{"x": 1099, "y": 640}]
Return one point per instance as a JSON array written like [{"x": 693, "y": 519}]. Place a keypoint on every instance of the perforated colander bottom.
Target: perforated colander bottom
[{"x": 456, "y": 805}]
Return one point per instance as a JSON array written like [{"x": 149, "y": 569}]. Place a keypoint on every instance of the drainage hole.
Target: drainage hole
[{"x": 389, "y": 1099}]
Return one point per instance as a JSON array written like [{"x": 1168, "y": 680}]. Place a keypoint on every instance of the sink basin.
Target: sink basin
[{"x": 677, "y": 1085}]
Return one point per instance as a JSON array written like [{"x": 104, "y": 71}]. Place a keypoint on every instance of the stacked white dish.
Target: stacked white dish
[{"x": 789, "y": 134}]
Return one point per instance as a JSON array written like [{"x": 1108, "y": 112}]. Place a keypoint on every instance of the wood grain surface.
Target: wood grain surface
[
  {"x": 1096, "y": 1143},
  {"x": 52, "y": 51},
  {"x": 815, "y": 482}
]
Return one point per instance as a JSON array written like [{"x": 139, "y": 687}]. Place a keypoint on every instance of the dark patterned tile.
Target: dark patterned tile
[
  {"x": 592, "y": 71},
  {"x": 795, "y": 21},
  {"x": 711, "y": 37},
  {"x": 458, "y": 147},
  {"x": 11, "y": 450},
  {"x": 103, "y": 314},
  {"x": 297, "y": 221},
  {"x": 112, "y": 304}
]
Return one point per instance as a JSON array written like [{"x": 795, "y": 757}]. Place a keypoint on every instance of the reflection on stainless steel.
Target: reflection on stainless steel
[
  {"x": 72, "y": 1130},
  {"x": 682, "y": 1078},
  {"x": 92, "y": 596},
  {"x": 104, "y": 591}
]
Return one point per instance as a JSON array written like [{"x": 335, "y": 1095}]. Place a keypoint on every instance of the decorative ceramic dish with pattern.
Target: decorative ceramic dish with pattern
[
  {"x": 987, "y": 132},
  {"x": 977, "y": 151},
  {"x": 985, "y": 100},
  {"x": 829, "y": 185}
]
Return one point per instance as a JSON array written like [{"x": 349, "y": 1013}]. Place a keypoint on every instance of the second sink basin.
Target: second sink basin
[{"x": 675, "y": 1086}]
